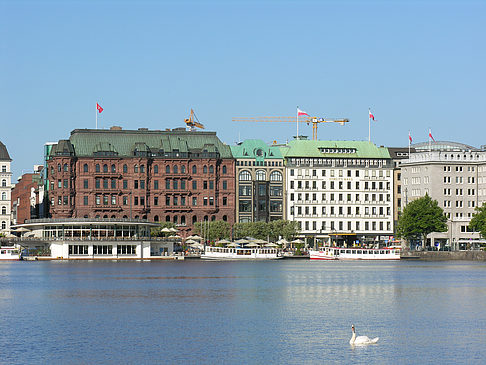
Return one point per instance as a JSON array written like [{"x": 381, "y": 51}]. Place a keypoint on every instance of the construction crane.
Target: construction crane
[
  {"x": 314, "y": 120},
  {"x": 192, "y": 122}
]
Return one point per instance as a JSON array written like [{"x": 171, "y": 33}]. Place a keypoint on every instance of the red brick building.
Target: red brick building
[
  {"x": 176, "y": 175},
  {"x": 28, "y": 197}
]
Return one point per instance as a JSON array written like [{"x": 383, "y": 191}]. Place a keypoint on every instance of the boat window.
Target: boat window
[
  {"x": 365, "y": 252},
  {"x": 354, "y": 252},
  {"x": 348, "y": 251},
  {"x": 382, "y": 252}
]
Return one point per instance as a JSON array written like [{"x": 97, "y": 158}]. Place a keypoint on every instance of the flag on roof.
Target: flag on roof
[
  {"x": 99, "y": 108},
  {"x": 301, "y": 112}
]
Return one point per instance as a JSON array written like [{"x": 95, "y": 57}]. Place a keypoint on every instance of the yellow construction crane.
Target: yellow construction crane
[
  {"x": 314, "y": 120},
  {"x": 192, "y": 122}
]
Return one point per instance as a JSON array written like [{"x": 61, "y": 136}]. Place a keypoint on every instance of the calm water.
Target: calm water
[{"x": 287, "y": 311}]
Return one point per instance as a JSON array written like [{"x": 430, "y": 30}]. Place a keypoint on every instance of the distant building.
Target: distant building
[
  {"x": 454, "y": 174},
  {"x": 260, "y": 186},
  {"x": 28, "y": 197},
  {"x": 5, "y": 189},
  {"x": 340, "y": 191},
  {"x": 398, "y": 155},
  {"x": 173, "y": 176}
]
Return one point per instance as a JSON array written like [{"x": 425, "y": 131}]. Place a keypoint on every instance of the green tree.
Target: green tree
[
  {"x": 217, "y": 229},
  {"x": 262, "y": 230},
  {"x": 421, "y": 217},
  {"x": 478, "y": 221}
]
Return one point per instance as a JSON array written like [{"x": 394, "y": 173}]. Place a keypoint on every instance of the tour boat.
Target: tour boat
[
  {"x": 9, "y": 253},
  {"x": 354, "y": 253},
  {"x": 237, "y": 253}
]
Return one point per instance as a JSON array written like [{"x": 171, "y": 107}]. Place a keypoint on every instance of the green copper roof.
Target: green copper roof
[
  {"x": 255, "y": 149},
  {"x": 333, "y": 149},
  {"x": 124, "y": 143}
]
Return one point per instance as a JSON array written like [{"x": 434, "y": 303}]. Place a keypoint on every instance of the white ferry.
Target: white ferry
[
  {"x": 237, "y": 253},
  {"x": 340, "y": 253},
  {"x": 9, "y": 253}
]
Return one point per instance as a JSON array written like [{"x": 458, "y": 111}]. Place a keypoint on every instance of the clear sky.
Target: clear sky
[{"x": 416, "y": 64}]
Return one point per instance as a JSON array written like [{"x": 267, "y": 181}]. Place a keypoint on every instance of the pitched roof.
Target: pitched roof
[
  {"x": 125, "y": 143},
  {"x": 333, "y": 149},
  {"x": 4, "y": 153}
]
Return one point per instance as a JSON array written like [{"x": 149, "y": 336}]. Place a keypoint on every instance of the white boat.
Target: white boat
[
  {"x": 240, "y": 253},
  {"x": 9, "y": 253},
  {"x": 355, "y": 253}
]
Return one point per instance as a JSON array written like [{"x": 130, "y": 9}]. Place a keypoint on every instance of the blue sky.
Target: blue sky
[{"x": 416, "y": 64}]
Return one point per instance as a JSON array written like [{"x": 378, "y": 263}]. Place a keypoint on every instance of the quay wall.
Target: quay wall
[{"x": 445, "y": 255}]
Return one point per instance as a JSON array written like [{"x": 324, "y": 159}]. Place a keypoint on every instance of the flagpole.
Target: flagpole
[
  {"x": 297, "y": 123},
  {"x": 96, "y": 113},
  {"x": 430, "y": 148},
  {"x": 409, "y": 142},
  {"x": 369, "y": 125}
]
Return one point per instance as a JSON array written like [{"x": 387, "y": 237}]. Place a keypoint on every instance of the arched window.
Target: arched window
[
  {"x": 174, "y": 219},
  {"x": 183, "y": 169},
  {"x": 261, "y": 175},
  {"x": 276, "y": 176},
  {"x": 144, "y": 217},
  {"x": 97, "y": 216},
  {"x": 244, "y": 176},
  {"x": 105, "y": 168},
  {"x": 113, "y": 216},
  {"x": 65, "y": 167},
  {"x": 156, "y": 170},
  {"x": 194, "y": 219},
  {"x": 135, "y": 168},
  {"x": 211, "y": 169},
  {"x": 194, "y": 169},
  {"x": 167, "y": 169},
  {"x": 113, "y": 168},
  {"x": 4, "y": 210},
  {"x": 105, "y": 216},
  {"x": 59, "y": 167},
  {"x": 85, "y": 167},
  {"x": 183, "y": 219},
  {"x": 225, "y": 218},
  {"x": 86, "y": 216},
  {"x": 142, "y": 168},
  {"x": 125, "y": 169},
  {"x": 52, "y": 170},
  {"x": 4, "y": 196},
  {"x": 176, "y": 169},
  {"x": 4, "y": 183},
  {"x": 97, "y": 167},
  {"x": 125, "y": 216},
  {"x": 167, "y": 218},
  {"x": 156, "y": 218},
  {"x": 213, "y": 218},
  {"x": 205, "y": 169},
  {"x": 4, "y": 225},
  {"x": 224, "y": 169}
]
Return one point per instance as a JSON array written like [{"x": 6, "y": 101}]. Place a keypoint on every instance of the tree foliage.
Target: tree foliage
[
  {"x": 216, "y": 230},
  {"x": 157, "y": 231},
  {"x": 478, "y": 221},
  {"x": 262, "y": 230},
  {"x": 421, "y": 217}
]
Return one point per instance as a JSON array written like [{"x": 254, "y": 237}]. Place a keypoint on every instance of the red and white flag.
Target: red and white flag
[
  {"x": 430, "y": 136},
  {"x": 301, "y": 112},
  {"x": 371, "y": 115},
  {"x": 99, "y": 108},
  {"x": 409, "y": 137}
]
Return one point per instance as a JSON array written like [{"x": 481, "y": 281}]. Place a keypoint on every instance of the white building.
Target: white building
[
  {"x": 340, "y": 191},
  {"x": 454, "y": 174},
  {"x": 5, "y": 189}
]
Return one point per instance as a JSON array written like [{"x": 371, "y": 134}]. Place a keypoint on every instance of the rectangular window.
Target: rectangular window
[
  {"x": 142, "y": 200},
  {"x": 156, "y": 200},
  {"x": 85, "y": 200},
  {"x": 98, "y": 200},
  {"x": 125, "y": 200},
  {"x": 135, "y": 200},
  {"x": 225, "y": 200},
  {"x": 85, "y": 183},
  {"x": 65, "y": 183},
  {"x": 205, "y": 184},
  {"x": 183, "y": 184},
  {"x": 125, "y": 184},
  {"x": 167, "y": 184},
  {"x": 167, "y": 200},
  {"x": 205, "y": 201},
  {"x": 211, "y": 200},
  {"x": 225, "y": 185},
  {"x": 183, "y": 201},
  {"x": 59, "y": 184},
  {"x": 113, "y": 200},
  {"x": 194, "y": 185},
  {"x": 175, "y": 184},
  {"x": 211, "y": 184},
  {"x": 194, "y": 201},
  {"x": 113, "y": 183},
  {"x": 142, "y": 184},
  {"x": 156, "y": 184},
  {"x": 105, "y": 183},
  {"x": 65, "y": 200},
  {"x": 105, "y": 199},
  {"x": 135, "y": 184}
]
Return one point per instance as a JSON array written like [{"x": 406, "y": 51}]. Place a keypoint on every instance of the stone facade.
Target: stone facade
[
  {"x": 28, "y": 197},
  {"x": 174, "y": 176}
]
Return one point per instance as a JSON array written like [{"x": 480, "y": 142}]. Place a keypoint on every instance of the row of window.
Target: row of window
[
  {"x": 261, "y": 190},
  {"x": 260, "y": 175},
  {"x": 140, "y": 200},
  {"x": 4, "y": 168},
  {"x": 275, "y": 206},
  {"x": 340, "y": 185},
  {"x": 339, "y": 173},
  {"x": 341, "y": 210},
  {"x": 341, "y": 226},
  {"x": 460, "y": 204},
  {"x": 102, "y": 249},
  {"x": 259, "y": 163},
  {"x": 136, "y": 169},
  {"x": 339, "y": 197}
]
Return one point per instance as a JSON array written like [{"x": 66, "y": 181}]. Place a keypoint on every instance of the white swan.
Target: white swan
[{"x": 361, "y": 340}]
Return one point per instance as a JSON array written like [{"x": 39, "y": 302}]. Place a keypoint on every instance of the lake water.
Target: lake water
[{"x": 274, "y": 312}]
